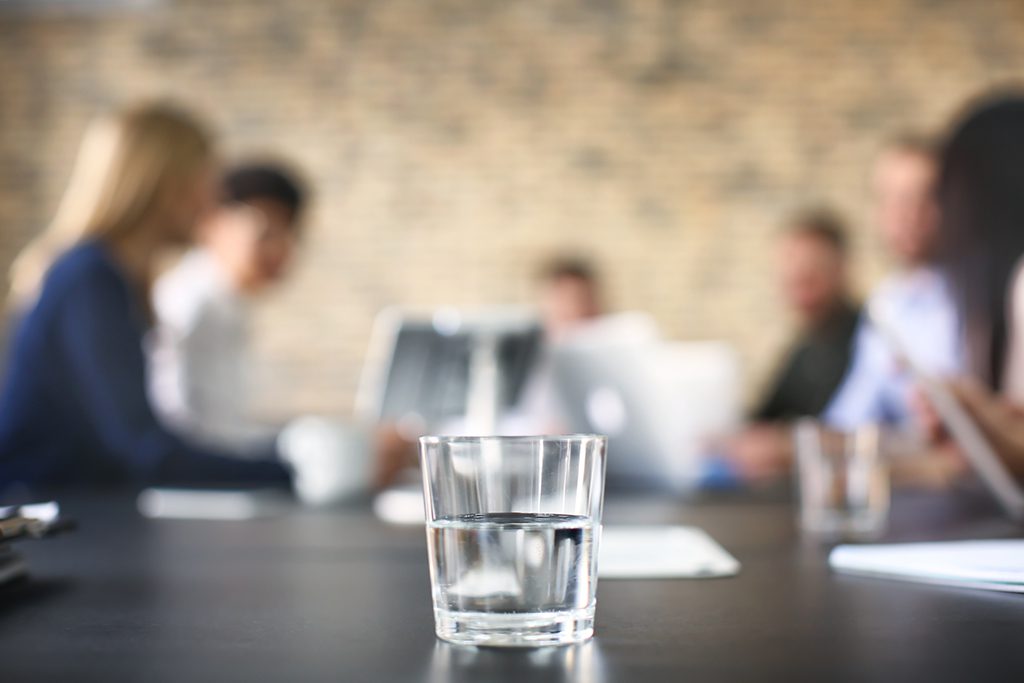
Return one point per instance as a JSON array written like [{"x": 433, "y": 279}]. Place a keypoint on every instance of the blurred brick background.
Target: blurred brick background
[{"x": 455, "y": 143}]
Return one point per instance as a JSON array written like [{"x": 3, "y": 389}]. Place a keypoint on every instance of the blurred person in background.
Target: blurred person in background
[
  {"x": 814, "y": 280},
  {"x": 981, "y": 195},
  {"x": 568, "y": 297},
  {"x": 74, "y": 407},
  {"x": 916, "y": 299},
  {"x": 200, "y": 366},
  {"x": 199, "y": 360}
]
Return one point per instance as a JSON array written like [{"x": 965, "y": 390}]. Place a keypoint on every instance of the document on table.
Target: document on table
[
  {"x": 400, "y": 505},
  {"x": 662, "y": 552},
  {"x": 996, "y": 565},
  {"x": 626, "y": 552},
  {"x": 167, "y": 503}
]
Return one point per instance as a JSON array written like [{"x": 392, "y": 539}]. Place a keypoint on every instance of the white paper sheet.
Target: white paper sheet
[
  {"x": 990, "y": 564},
  {"x": 661, "y": 552}
]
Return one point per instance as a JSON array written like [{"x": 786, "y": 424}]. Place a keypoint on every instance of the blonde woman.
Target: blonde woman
[{"x": 74, "y": 406}]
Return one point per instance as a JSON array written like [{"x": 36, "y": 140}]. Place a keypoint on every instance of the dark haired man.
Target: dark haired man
[
  {"x": 198, "y": 361},
  {"x": 569, "y": 296},
  {"x": 814, "y": 281},
  {"x": 813, "y": 276}
]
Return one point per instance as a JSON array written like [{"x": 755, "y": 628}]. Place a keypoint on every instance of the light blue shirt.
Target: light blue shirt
[{"x": 877, "y": 388}]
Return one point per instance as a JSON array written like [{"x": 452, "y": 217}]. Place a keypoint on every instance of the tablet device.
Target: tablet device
[{"x": 976, "y": 448}]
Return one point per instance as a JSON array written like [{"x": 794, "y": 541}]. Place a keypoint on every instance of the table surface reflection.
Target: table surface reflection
[{"x": 339, "y": 596}]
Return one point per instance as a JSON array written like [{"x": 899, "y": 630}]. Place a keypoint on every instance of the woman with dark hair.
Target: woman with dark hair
[{"x": 981, "y": 196}]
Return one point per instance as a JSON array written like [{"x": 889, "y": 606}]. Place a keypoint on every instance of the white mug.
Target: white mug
[{"x": 331, "y": 460}]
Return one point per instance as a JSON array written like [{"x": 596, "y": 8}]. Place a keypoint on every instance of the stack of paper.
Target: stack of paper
[{"x": 989, "y": 565}]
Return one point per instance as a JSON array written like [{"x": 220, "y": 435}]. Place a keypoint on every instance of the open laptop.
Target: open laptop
[
  {"x": 426, "y": 369},
  {"x": 657, "y": 402}
]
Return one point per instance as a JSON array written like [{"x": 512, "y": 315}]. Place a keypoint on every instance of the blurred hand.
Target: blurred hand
[
  {"x": 928, "y": 421},
  {"x": 394, "y": 455},
  {"x": 1000, "y": 420},
  {"x": 932, "y": 466},
  {"x": 761, "y": 452}
]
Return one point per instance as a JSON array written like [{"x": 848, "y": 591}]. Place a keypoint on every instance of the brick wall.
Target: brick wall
[{"x": 454, "y": 143}]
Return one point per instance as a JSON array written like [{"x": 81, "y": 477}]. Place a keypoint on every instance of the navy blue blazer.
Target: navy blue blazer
[{"x": 74, "y": 407}]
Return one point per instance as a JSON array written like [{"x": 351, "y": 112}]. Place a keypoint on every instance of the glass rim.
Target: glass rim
[{"x": 438, "y": 439}]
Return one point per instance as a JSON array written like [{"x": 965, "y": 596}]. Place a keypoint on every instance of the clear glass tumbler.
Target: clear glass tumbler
[
  {"x": 513, "y": 526},
  {"x": 843, "y": 481}
]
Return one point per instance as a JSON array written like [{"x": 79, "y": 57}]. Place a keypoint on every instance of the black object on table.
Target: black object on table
[
  {"x": 26, "y": 522},
  {"x": 340, "y": 596}
]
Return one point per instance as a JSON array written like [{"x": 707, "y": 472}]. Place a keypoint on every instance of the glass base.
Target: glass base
[
  {"x": 537, "y": 629},
  {"x": 840, "y": 526}
]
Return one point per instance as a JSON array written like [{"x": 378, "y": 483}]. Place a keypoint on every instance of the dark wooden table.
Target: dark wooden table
[{"x": 340, "y": 596}]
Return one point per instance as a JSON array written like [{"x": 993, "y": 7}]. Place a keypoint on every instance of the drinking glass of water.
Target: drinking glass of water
[
  {"x": 513, "y": 525},
  {"x": 843, "y": 481}
]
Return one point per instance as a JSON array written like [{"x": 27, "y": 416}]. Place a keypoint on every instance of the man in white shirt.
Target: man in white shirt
[
  {"x": 876, "y": 388},
  {"x": 569, "y": 298},
  {"x": 199, "y": 367},
  {"x": 915, "y": 300}
]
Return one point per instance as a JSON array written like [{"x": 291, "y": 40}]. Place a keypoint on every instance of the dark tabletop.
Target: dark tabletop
[{"x": 339, "y": 596}]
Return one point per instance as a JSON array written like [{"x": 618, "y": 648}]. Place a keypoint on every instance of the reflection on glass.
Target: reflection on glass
[
  {"x": 567, "y": 664},
  {"x": 844, "y": 482}
]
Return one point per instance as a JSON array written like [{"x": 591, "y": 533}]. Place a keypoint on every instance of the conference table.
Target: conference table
[{"x": 337, "y": 595}]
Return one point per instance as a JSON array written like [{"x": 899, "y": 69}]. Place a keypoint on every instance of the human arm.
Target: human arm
[
  {"x": 105, "y": 372},
  {"x": 860, "y": 397},
  {"x": 1001, "y": 420},
  {"x": 761, "y": 452}
]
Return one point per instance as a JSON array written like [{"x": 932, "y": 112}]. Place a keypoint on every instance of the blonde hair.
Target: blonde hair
[{"x": 125, "y": 164}]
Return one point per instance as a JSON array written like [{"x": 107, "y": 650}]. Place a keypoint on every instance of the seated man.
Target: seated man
[
  {"x": 813, "y": 275},
  {"x": 199, "y": 368},
  {"x": 569, "y": 297},
  {"x": 915, "y": 300}
]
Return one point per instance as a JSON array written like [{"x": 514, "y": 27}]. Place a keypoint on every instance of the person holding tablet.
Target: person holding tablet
[{"x": 981, "y": 196}]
